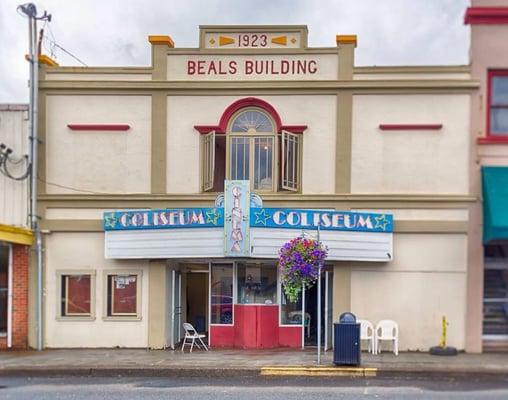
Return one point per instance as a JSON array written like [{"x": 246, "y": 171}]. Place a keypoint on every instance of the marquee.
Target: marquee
[{"x": 239, "y": 226}]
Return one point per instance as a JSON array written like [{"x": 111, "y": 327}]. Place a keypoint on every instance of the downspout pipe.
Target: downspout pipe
[{"x": 34, "y": 211}]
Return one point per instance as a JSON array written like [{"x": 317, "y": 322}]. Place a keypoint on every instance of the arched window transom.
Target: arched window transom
[{"x": 252, "y": 121}]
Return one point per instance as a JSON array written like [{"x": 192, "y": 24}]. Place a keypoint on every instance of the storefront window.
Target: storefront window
[
  {"x": 257, "y": 284},
  {"x": 222, "y": 294},
  {"x": 4, "y": 286},
  {"x": 76, "y": 295},
  {"x": 495, "y": 299},
  {"x": 122, "y": 295},
  {"x": 290, "y": 313}
]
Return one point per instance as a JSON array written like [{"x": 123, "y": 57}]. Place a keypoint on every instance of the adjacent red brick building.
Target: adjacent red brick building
[{"x": 14, "y": 258}]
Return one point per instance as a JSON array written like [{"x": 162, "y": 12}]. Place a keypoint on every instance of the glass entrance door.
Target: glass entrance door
[{"x": 176, "y": 314}]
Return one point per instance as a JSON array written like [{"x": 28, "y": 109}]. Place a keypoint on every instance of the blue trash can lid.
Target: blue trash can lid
[{"x": 347, "y": 318}]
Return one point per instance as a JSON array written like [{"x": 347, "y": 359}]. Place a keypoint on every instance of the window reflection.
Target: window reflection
[
  {"x": 222, "y": 294},
  {"x": 291, "y": 313}
]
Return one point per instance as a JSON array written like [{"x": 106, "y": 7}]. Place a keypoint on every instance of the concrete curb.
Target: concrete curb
[
  {"x": 132, "y": 372},
  {"x": 267, "y": 371}
]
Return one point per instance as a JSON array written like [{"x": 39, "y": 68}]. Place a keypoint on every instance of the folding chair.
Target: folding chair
[{"x": 192, "y": 334}]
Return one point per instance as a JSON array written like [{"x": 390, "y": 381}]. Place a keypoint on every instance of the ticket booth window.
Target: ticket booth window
[{"x": 257, "y": 283}]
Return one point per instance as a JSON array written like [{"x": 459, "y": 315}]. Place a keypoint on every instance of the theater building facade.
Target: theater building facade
[{"x": 170, "y": 188}]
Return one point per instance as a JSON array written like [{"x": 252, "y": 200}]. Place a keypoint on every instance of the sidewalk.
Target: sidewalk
[{"x": 110, "y": 362}]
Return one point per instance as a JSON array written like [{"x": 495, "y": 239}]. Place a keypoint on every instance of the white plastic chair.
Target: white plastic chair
[
  {"x": 387, "y": 330},
  {"x": 192, "y": 334},
  {"x": 367, "y": 333},
  {"x": 298, "y": 315}
]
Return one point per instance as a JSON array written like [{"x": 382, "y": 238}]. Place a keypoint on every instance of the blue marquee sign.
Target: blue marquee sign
[
  {"x": 237, "y": 209},
  {"x": 164, "y": 219},
  {"x": 326, "y": 220}
]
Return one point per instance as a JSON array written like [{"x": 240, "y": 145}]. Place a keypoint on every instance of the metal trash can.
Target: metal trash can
[{"x": 346, "y": 349}]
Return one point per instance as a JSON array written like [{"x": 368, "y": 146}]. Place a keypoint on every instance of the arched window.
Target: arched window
[
  {"x": 251, "y": 143},
  {"x": 251, "y": 149}
]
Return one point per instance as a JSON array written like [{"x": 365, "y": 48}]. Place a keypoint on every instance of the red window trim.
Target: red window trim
[
  {"x": 410, "y": 127},
  {"x": 486, "y": 16},
  {"x": 99, "y": 127},
  {"x": 221, "y": 127},
  {"x": 493, "y": 138}
]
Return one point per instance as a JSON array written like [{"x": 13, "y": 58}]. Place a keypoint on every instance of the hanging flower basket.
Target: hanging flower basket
[{"x": 300, "y": 260}]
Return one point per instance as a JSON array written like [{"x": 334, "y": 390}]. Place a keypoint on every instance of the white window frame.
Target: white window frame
[{"x": 60, "y": 275}]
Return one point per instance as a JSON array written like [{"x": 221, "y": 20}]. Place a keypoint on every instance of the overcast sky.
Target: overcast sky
[{"x": 114, "y": 32}]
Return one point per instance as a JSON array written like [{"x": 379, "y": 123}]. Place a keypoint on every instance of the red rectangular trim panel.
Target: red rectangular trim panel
[
  {"x": 410, "y": 127},
  {"x": 99, "y": 127},
  {"x": 486, "y": 16}
]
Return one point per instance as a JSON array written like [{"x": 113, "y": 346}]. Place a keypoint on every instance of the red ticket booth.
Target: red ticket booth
[{"x": 244, "y": 308}]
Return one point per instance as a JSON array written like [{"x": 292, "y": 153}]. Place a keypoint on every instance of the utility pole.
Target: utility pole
[
  {"x": 30, "y": 11},
  {"x": 319, "y": 305}
]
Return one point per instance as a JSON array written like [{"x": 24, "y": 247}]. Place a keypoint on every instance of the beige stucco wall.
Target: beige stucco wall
[
  {"x": 318, "y": 112},
  {"x": 14, "y": 194},
  {"x": 425, "y": 281},
  {"x": 410, "y": 161},
  {"x": 55, "y": 76},
  {"x": 409, "y": 75},
  {"x": 105, "y": 162},
  {"x": 85, "y": 251}
]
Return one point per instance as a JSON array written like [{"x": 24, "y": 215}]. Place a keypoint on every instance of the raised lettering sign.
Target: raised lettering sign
[{"x": 325, "y": 220}]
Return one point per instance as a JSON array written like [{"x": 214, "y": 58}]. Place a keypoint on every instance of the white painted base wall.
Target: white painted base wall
[
  {"x": 426, "y": 281},
  {"x": 85, "y": 251}
]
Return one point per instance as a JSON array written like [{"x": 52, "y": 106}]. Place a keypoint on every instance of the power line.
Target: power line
[
  {"x": 69, "y": 187},
  {"x": 53, "y": 44}
]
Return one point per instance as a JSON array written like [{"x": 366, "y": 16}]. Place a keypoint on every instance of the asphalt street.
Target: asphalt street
[{"x": 123, "y": 388}]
